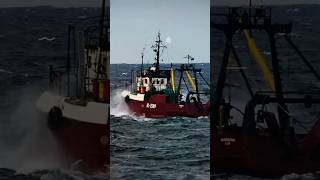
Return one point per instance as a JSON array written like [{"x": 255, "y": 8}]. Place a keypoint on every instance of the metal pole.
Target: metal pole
[
  {"x": 196, "y": 82},
  {"x": 242, "y": 72},
  {"x": 302, "y": 57},
  {"x": 282, "y": 115},
  {"x": 68, "y": 60},
  {"x": 221, "y": 81}
]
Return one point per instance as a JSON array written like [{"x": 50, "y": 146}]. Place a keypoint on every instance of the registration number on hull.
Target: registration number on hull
[
  {"x": 228, "y": 141},
  {"x": 151, "y": 106}
]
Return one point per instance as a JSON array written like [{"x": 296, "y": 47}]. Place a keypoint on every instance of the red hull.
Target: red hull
[
  {"x": 234, "y": 151},
  {"x": 85, "y": 143},
  {"x": 161, "y": 110}
]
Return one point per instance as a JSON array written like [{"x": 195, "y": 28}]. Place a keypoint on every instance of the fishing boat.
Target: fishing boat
[
  {"x": 77, "y": 102},
  {"x": 265, "y": 142},
  {"x": 155, "y": 94}
]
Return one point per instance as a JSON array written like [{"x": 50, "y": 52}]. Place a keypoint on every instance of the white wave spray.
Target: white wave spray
[
  {"x": 28, "y": 145},
  {"x": 118, "y": 106}
]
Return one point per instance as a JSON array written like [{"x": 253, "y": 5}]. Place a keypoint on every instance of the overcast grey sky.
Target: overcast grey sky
[
  {"x": 260, "y": 2},
  {"x": 58, "y": 3},
  {"x": 135, "y": 24}
]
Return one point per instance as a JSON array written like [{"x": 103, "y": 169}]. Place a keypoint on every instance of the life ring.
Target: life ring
[{"x": 55, "y": 119}]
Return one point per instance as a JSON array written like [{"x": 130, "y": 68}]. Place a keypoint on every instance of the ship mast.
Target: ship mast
[
  {"x": 102, "y": 41},
  {"x": 142, "y": 55},
  {"x": 156, "y": 48},
  {"x": 190, "y": 58},
  {"x": 102, "y": 38}
]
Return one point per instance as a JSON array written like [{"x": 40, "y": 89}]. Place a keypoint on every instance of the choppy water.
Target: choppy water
[
  {"x": 145, "y": 148},
  {"x": 8, "y": 174},
  {"x": 173, "y": 148},
  {"x": 30, "y": 40}
]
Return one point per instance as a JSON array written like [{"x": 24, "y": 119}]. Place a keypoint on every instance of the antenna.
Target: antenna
[
  {"x": 156, "y": 48},
  {"x": 142, "y": 55},
  {"x": 190, "y": 58}
]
